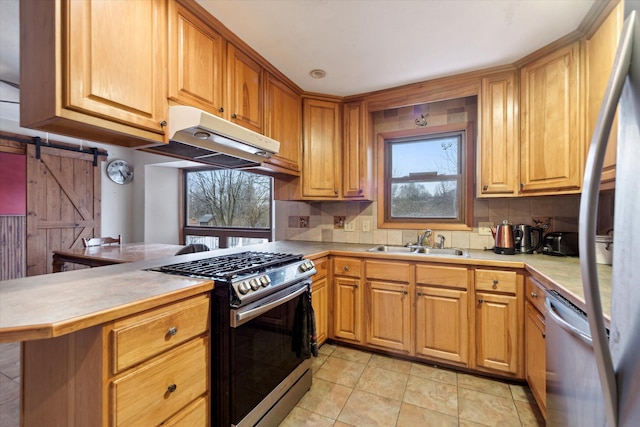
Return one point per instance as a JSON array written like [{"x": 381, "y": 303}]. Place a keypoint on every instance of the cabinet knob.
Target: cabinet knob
[
  {"x": 485, "y": 187},
  {"x": 480, "y": 300},
  {"x": 163, "y": 123},
  {"x": 172, "y": 331},
  {"x": 534, "y": 295},
  {"x": 405, "y": 292},
  {"x": 234, "y": 116},
  {"x": 419, "y": 294},
  {"x": 221, "y": 110},
  {"x": 495, "y": 284},
  {"x": 346, "y": 268},
  {"x": 335, "y": 191},
  {"x": 355, "y": 285},
  {"x": 172, "y": 388},
  {"x": 360, "y": 191},
  {"x": 522, "y": 185}
]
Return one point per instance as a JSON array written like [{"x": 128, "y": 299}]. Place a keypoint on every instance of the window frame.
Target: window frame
[
  {"x": 465, "y": 197},
  {"x": 222, "y": 233}
]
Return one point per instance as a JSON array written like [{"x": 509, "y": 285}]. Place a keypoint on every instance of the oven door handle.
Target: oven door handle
[{"x": 238, "y": 317}]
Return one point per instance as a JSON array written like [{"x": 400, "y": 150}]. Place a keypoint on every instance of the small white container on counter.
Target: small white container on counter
[{"x": 604, "y": 249}]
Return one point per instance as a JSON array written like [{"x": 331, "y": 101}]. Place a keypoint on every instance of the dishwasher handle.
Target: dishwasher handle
[{"x": 556, "y": 318}]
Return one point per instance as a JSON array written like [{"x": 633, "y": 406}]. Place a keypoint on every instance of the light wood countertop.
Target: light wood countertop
[{"x": 56, "y": 304}]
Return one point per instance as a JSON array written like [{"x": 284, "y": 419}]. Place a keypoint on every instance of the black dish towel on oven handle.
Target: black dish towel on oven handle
[{"x": 305, "y": 341}]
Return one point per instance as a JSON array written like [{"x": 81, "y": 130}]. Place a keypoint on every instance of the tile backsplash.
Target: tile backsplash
[{"x": 562, "y": 211}]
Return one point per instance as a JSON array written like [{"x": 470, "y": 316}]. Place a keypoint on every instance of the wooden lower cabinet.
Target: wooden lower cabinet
[
  {"x": 389, "y": 315},
  {"x": 442, "y": 324},
  {"x": 496, "y": 322},
  {"x": 347, "y": 299},
  {"x": 535, "y": 355},
  {"x": 166, "y": 381},
  {"x": 320, "y": 299}
]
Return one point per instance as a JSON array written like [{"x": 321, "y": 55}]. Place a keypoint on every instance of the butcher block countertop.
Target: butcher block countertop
[{"x": 56, "y": 304}]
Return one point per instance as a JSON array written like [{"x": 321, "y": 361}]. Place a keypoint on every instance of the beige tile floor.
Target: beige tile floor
[{"x": 356, "y": 388}]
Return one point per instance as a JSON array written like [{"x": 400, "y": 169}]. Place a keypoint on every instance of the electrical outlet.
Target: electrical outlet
[
  {"x": 484, "y": 228},
  {"x": 338, "y": 222},
  {"x": 303, "y": 222},
  {"x": 366, "y": 225},
  {"x": 542, "y": 222},
  {"x": 350, "y": 226}
]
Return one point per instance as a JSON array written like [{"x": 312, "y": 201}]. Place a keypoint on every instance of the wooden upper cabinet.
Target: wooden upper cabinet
[
  {"x": 95, "y": 69},
  {"x": 321, "y": 149},
  {"x": 600, "y": 53},
  {"x": 283, "y": 122},
  {"x": 196, "y": 55},
  {"x": 356, "y": 153},
  {"x": 551, "y": 147},
  {"x": 498, "y": 146},
  {"x": 244, "y": 89}
]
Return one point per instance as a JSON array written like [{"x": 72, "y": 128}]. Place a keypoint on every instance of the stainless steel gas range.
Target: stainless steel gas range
[{"x": 259, "y": 368}]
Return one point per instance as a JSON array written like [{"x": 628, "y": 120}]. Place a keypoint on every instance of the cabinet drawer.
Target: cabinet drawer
[
  {"x": 535, "y": 294},
  {"x": 156, "y": 391},
  {"x": 142, "y": 336},
  {"x": 435, "y": 275},
  {"x": 346, "y": 266},
  {"x": 385, "y": 270},
  {"x": 496, "y": 281},
  {"x": 322, "y": 266},
  {"x": 196, "y": 414}
]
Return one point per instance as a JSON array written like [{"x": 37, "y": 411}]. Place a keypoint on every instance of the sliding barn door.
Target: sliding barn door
[{"x": 63, "y": 203}]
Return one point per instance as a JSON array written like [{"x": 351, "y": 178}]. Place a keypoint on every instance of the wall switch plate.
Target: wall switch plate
[
  {"x": 350, "y": 226},
  {"x": 366, "y": 225},
  {"x": 484, "y": 228}
]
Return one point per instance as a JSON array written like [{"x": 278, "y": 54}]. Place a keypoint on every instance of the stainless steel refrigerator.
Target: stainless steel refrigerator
[{"x": 593, "y": 373}]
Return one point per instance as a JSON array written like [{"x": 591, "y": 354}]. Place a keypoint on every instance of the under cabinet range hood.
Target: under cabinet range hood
[{"x": 205, "y": 138}]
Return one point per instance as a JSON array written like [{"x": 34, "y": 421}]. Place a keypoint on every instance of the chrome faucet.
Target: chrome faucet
[
  {"x": 426, "y": 235},
  {"x": 441, "y": 244}
]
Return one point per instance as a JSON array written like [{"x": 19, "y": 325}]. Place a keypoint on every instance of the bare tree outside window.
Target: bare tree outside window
[{"x": 233, "y": 205}]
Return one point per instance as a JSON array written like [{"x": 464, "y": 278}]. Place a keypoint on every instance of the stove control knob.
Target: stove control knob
[
  {"x": 264, "y": 281},
  {"x": 243, "y": 288},
  {"x": 254, "y": 284}
]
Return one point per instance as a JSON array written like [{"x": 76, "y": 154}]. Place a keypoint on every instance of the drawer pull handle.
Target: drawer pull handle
[
  {"x": 172, "y": 388},
  {"x": 534, "y": 295},
  {"x": 172, "y": 331},
  {"x": 346, "y": 268}
]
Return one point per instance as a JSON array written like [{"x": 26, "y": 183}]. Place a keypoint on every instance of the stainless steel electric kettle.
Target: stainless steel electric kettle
[{"x": 527, "y": 238}]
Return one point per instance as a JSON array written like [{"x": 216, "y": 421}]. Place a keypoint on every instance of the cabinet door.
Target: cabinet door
[
  {"x": 496, "y": 332},
  {"x": 498, "y": 146},
  {"x": 355, "y": 154},
  {"x": 283, "y": 123},
  {"x": 551, "y": 149},
  {"x": 196, "y": 55},
  {"x": 115, "y": 61},
  {"x": 347, "y": 314},
  {"x": 600, "y": 53},
  {"x": 320, "y": 150},
  {"x": 320, "y": 303},
  {"x": 535, "y": 355},
  {"x": 244, "y": 89},
  {"x": 442, "y": 324},
  {"x": 389, "y": 316}
]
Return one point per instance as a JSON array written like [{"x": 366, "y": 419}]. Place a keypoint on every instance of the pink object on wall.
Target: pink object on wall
[{"x": 13, "y": 184}]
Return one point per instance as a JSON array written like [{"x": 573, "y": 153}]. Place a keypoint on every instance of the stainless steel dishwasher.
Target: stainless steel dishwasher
[{"x": 574, "y": 395}]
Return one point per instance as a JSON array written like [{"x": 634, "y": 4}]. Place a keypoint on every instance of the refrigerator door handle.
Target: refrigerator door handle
[
  {"x": 555, "y": 316},
  {"x": 588, "y": 217}
]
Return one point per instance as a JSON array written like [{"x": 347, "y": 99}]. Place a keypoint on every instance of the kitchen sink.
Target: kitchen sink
[{"x": 422, "y": 250}]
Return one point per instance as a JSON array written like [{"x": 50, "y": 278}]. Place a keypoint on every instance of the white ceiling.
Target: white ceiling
[{"x": 367, "y": 45}]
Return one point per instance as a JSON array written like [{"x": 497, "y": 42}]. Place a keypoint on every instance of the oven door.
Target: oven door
[{"x": 262, "y": 353}]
